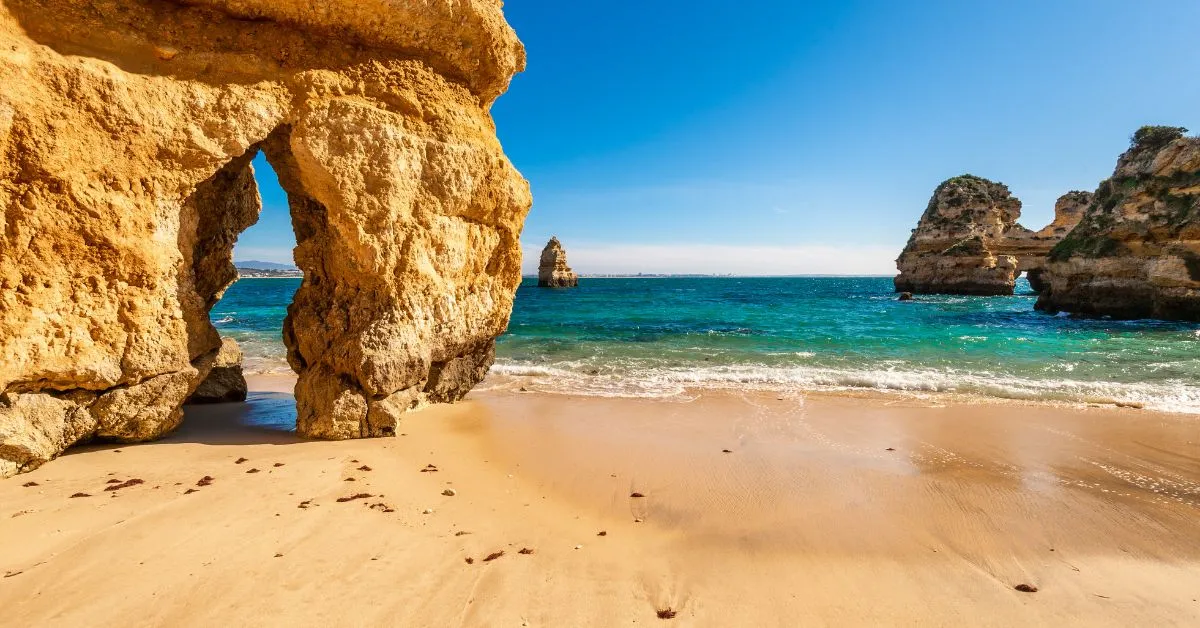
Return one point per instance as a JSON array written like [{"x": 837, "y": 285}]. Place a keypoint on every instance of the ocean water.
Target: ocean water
[{"x": 663, "y": 337}]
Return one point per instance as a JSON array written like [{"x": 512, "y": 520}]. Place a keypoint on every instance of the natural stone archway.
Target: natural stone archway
[
  {"x": 127, "y": 128},
  {"x": 968, "y": 241}
]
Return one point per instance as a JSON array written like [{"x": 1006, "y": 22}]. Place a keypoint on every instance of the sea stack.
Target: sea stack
[
  {"x": 1136, "y": 252},
  {"x": 553, "y": 271},
  {"x": 127, "y": 132},
  {"x": 968, "y": 241}
]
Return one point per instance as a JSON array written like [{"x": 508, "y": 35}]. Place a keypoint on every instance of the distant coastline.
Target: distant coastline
[
  {"x": 266, "y": 270},
  {"x": 269, "y": 274}
]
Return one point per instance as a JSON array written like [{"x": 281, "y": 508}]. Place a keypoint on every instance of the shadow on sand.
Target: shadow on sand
[{"x": 264, "y": 418}]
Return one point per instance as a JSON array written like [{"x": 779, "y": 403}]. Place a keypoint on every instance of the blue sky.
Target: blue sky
[{"x": 791, "y": 137}]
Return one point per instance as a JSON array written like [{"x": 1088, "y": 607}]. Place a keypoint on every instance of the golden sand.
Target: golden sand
[{"x": 824, "y": 510}]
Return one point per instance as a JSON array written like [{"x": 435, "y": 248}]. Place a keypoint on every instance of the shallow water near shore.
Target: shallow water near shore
[{"x": 661, "y": 337}]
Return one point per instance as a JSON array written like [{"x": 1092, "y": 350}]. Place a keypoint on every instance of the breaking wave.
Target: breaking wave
[{"x": 672, "y": 381}]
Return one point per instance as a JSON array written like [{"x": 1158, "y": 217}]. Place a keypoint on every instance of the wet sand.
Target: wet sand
[{"x": 825, "y": 510}]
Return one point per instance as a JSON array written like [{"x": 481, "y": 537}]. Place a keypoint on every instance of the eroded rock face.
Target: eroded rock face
[
  {"x": 1136, "y": 253},
  {"x": 968, "y": 241},
  {"x": 127, "y": 128},
  {"x": 951, "y": 250},
  {"x": 553, "y": 271},
  {"x": 225, "y": 381}
]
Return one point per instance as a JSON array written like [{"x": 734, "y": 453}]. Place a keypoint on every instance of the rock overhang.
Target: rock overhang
[{"x": 127, "y": 135}]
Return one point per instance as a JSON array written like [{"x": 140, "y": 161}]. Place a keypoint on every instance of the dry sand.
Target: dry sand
[{"x": 825, "y": 511}]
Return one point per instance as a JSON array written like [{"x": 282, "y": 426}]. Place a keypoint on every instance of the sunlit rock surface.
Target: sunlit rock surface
[
  {"x": 553, "y": 271},
  {"x": 127, "y": 128},
  {"x": 1136, "y": 252},
  {"x": 968, "y": 241}
]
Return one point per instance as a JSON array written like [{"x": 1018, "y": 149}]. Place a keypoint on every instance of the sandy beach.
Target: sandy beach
[
  {"x": 922, "y": 346},
  {"x": 823, "y": 510}
]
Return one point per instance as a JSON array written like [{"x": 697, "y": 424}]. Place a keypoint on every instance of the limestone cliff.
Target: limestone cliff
[
  {"x": 968, "y": 241},
  {"x": 127, "y": 128},
  {"x": 1136, "y": 253},
  {"x": 553, "y": 271}
]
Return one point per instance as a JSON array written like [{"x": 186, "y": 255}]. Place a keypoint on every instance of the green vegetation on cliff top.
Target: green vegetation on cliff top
[
  {"x": 1152, "y": 136},
  {"x": 1169, "y": 210}
]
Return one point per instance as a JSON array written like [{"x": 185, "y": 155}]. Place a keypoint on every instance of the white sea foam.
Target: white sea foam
[{"x": 671, "y": 381}]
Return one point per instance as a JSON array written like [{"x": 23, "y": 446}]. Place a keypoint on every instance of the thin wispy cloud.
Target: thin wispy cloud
[{"x": 723, "y": 259}]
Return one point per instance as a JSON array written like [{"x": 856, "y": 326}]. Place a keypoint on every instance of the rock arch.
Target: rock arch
[
  {"x": 968, "y": 241},
  {"x": 127, "y": 129}
]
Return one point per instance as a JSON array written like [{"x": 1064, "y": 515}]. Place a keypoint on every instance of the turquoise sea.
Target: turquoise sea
[{"x": 660, "y": 337}]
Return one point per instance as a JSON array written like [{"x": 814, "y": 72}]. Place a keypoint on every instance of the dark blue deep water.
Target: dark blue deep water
[{"x": 657, "y": 337}]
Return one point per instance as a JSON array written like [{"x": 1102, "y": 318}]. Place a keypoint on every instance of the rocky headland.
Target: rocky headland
[
  {"x": 968, "y": 241},
  {"x": 1136, "y": 252},
  {"x": 127, "y": 130},
  {"x": 553, "y": 271}
]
